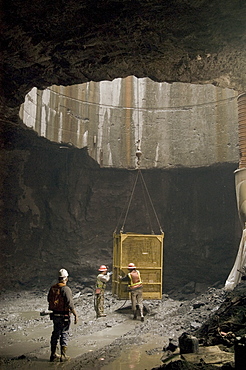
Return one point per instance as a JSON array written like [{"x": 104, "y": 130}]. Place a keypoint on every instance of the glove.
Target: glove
[{"x": 110, "y": 273}]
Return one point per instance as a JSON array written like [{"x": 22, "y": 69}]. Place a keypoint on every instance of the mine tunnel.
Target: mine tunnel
[{"x": 87, "y": 84}]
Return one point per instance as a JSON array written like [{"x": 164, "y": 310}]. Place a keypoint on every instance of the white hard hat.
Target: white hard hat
[{"x": 63, "y": 273}]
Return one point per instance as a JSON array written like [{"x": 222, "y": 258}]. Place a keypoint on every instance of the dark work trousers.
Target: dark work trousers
[{"x": 60, "y": 331}]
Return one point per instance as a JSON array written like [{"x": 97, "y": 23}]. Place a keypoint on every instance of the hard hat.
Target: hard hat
[
  {"x": 102, "y": 268},
  {"x": 63, "y": 273},
  {"x": 131, "y": 266}
]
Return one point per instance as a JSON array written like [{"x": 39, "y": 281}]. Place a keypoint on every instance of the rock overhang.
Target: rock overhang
[{"x": 66, "y": 43}]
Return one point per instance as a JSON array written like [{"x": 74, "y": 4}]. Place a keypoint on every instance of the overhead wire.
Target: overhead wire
[{"x": 181, "y": 107}]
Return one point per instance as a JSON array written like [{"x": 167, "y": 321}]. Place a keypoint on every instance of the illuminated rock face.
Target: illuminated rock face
[
  {"x": 173, "y": 124},
  {"x": 60, "y": 209}
]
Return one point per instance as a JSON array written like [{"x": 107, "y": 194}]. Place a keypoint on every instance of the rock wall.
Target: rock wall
[
  {"x": 177, "y": 124},
  {"x": 61, "y": 209}
]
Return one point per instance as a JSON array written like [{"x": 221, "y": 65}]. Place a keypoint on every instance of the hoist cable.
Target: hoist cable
[
  {"x": 122, "y": 305},
  {"x": 138, "y": 114},
  {"x": 151, "y": 202},
  {"x": 144, "y": 187},
  {"x": 146, "y": 206},
  {"x": 116, "y": 228},
  {"x": 122, "y": 228}
]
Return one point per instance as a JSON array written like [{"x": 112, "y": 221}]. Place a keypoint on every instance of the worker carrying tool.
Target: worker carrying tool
[
  {"x": 61, "y": 304},
  {"x": 135, "y": 287},
  {"x": 102, "y": 278}
]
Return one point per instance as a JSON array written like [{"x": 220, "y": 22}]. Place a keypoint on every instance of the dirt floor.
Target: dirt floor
[{"x": 117, "y": 341}]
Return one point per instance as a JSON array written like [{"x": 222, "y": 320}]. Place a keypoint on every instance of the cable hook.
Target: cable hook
[{"x": 138, "y": 152}]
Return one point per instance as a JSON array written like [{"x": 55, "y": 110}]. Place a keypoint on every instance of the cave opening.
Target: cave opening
[{"x": 64, "y": 187}]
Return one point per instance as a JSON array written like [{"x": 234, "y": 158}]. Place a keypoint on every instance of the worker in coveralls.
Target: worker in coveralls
[
  {"x": 61, "y": 303},
  {"x": 135, "y": 287},
  {"x": 102, "y": 279}
]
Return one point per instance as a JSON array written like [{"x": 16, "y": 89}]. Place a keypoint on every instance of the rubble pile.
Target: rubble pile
[
  {"x": 224, "y": 332},
  {"x": 229, "y": 322}
]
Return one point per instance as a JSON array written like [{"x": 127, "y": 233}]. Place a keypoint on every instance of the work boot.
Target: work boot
[
  {"x": 135, "y": 315},
  {"x": 64, "y": 357},
  {"x": 54, "y": 356},
  {"x": 102, "y": 315},
  {"x": 142, "y": 318}
]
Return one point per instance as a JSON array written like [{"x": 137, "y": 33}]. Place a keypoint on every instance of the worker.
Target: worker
[
  {"x": 102, "y": 278},
  {"x": 135, "y": 287},
  {"x": 61, "y": 303}
]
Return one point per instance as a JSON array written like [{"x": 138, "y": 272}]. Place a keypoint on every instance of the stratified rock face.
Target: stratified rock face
[
  {"x": 172, "y": 124},
  {"x": 68, "y": 42}
]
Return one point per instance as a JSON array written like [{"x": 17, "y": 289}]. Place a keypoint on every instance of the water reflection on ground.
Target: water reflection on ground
[{"x": 138, "y": 357}]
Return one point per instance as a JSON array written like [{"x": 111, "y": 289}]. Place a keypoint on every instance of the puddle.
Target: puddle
[
  {"x": 30, "y": 315},
  {"x": 29, "y": 347},
  {"x": 139, "y": 357},
  {"x": 34, "y": 344},
  {"x": 17, "y": 343},
  {"x": 100, "y": 339}
]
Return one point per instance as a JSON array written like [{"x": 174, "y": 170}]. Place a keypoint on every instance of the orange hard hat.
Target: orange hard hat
[
  {"x": 131, "y": 266},
  {"x": 102, "y": 268}
]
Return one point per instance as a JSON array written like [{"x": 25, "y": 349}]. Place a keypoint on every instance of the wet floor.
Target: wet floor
[
  {"x": 139, "y": 357},
  {"x": 30, "y": 347}
]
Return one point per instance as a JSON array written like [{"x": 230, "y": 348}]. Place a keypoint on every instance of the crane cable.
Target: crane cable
[
  {"x": 144, "y": 187},
  {"x": 151, "y": 202},
  {"x": 139, "y": 173},
  {"x": 134, "y": 186},
  {"x": 146, "y": 206}
]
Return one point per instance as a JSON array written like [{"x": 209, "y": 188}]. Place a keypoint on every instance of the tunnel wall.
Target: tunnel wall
[
  {"x": 177, "y": 124},
  {"x": 61, "y": 209}
]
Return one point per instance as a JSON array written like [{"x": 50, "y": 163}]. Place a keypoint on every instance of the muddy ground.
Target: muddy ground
[{"x": 216, "y": 317}]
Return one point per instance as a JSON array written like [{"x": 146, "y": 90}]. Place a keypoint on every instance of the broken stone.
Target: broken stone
[{"x": 195, "y": 325}]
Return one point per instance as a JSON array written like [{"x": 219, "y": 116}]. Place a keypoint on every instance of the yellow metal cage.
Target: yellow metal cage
[{"x": 146, "y": 252}]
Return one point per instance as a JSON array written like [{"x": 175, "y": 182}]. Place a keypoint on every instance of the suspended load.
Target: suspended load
[
  {"x": 147, "y": 253},
  {"x": 144, "y": 250}
]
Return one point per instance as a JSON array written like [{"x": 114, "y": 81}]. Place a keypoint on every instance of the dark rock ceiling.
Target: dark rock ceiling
[{"x": 67, "y": 42}]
